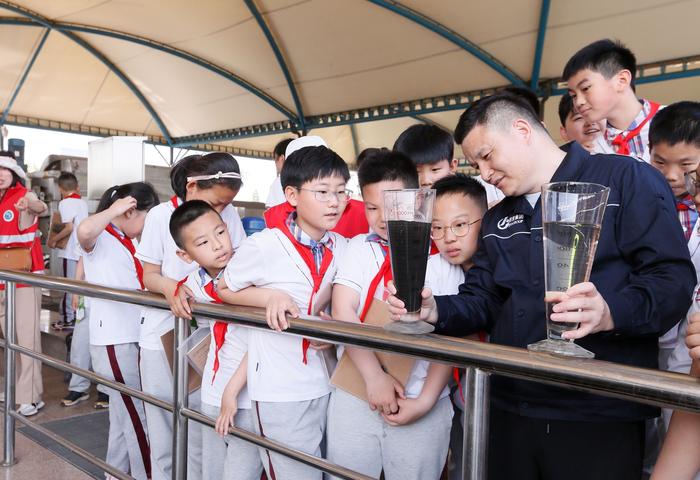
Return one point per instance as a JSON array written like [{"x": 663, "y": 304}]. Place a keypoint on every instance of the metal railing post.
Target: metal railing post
[
  {"x": 476, "y": 424},
  {"x": 9, "y": 420},
  {"x": 180, "y": 401}
]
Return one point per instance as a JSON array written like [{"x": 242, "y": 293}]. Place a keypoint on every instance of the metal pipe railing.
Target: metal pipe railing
[{"x": 653, "y": 387}]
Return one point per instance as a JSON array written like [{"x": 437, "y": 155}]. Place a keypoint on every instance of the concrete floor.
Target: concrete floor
[{"x": 33, "y": 461}]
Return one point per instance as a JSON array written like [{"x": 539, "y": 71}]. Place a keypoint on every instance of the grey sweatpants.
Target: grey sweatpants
[
  {"x": 127, "y": 448},
  {"x": 157, "y": 380},
  {"x": 80, "y": 356},
  {"x": 69, "y": 267},
  {"x": 359, "y": 439},
  {"x": 229, "y": 457},
  {"x": 299, "y": 425}
]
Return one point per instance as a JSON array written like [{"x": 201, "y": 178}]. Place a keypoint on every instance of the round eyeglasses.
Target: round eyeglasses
[
  {"x": 326, "y": 195},
  {"x": 459, "y": 228}
]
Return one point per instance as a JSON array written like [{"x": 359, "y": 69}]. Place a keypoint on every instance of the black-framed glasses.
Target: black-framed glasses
[
  {"x": 459, "y": 228},
  {"x": 692, "y": 183},
  {"x": 326, "y": 195}
]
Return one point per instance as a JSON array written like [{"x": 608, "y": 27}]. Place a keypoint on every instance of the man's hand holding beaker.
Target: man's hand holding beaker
[
  {"x": 583, "y": 304},
  {"x": 428, "y": 308}
]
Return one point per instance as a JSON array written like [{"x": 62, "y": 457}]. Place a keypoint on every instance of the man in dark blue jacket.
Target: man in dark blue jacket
[{"x": 640, "y": 286}]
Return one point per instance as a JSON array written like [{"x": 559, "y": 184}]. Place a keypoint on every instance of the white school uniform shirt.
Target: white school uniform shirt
[
  {"x": 640, "y": 147},
  {"x": 230, "y": 355},
  {"x": 276, "y": 195},
  {"x": 72, "y": 210},
  {"x": 158, "y": 247},
  {"x": 679, "y": 358},
  {"x": 110, "y": 264},
  {"x": 357, "y": 269},
  {"x": 276, "y": 372}
]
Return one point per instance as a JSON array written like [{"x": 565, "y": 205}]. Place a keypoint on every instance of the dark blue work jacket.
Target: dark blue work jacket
[{"x": 641, "y": 268}]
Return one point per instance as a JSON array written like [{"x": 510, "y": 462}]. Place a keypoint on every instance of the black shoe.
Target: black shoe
[
  {"x": 102, "y": 401},
  {"x": 74, "y": 398}
]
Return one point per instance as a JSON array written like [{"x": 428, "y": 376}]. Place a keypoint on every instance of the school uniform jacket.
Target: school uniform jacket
[{"x": 641, "y": 268}]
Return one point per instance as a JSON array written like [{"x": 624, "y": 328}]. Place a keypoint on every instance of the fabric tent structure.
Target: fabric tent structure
[{"x": 240, "y": 75}]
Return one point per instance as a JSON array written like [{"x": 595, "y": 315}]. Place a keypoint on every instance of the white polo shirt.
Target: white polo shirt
[
  {"x": 276, "y": 195},
  {"x": 158, "y": 247},
  {"x": 357, "y": 269},
  {"x": 110, "y": 264},
  {"x": 230, "y": 356},
  {"x": 72, "y": 210},
  {"x": 276, "y": 372}
]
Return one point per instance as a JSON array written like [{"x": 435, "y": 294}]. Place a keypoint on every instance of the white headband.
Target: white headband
[{"x": 216, "y": 176}]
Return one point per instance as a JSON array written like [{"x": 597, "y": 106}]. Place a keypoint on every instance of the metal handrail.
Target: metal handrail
[{"x": 653, "y": 387}]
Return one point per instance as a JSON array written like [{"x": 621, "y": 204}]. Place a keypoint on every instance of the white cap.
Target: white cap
[
  {"x": 303, "y": 142},
  {"x": 11, "y": 164}
]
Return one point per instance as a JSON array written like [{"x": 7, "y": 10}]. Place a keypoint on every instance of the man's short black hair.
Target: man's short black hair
[
  {"x": 67, "y": 181},
  {"x": 500, "y": 109},
  {"x": 677, "y": 123},
  {"x": 185, "y": 214},
  {"x": 528, "y": 95},
  {"x": 311, "y": 163},
  {"x": 425, "y": 144},
  {"x": 566, "y": 108},
  {"x": 461, "y": 184},
  {"x": 383, "y": 165},
  {"x": 281, "y": 147},
  {"x": 606, "y": 57}
]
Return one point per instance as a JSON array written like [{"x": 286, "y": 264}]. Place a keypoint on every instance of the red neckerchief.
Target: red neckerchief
[
  {"x": 219, "y": 330},
  {"x": 621, "y": 141},
  {"x": 73, "y": 195},
  {"x": 308, "y": 257},
  {"x": 385, "y": 274},
  {"x": 129, "y": 245},
  {"x": 175, "y": 201}
]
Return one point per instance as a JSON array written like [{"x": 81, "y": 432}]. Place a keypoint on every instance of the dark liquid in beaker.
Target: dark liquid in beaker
[{"x": 409, "y": 243}]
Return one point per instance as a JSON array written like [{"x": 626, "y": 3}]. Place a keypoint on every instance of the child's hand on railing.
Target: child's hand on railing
[
  {"x": 692, "y": 338},
  {"x": 278, "y": 306}
]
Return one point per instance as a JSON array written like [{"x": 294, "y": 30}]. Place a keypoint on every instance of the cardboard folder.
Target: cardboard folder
[
  {"x": 348, "y": 378},
  {"x": 196, "y": 355}
]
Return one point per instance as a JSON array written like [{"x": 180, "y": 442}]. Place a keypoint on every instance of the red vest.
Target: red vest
[
  {"x": 10, "y": 234},
  {"x": 352, "y": 222}
]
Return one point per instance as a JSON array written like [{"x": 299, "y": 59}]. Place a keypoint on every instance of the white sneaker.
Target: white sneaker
[
  {"x": 2, "y": 396},
  {"x": 29, "y": 409}
]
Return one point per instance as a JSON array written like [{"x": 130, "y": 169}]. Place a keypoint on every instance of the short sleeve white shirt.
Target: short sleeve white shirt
[
  {"x": 158, "y": 247},
  {"x": 276, "y": 195},
  {"x": 110, "y": 264},
  {"x": 230, "y": 355},
  {"x": 276, "y": 372},
  {"x": 72, "y": 210}
]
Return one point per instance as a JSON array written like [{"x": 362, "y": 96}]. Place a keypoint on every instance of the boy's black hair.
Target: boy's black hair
[
  {"x": 425, "y": 144},
  {"x": 606, "y": 57},
  {"x": 462, "y": 184},
  {"x": 281, "y": 147},
  {"x": 185, "y": 214},
  {"x": 144, "y": 193},
  {"x": 368, "y": 152},
  {"x": 209, "y": 164},
  {"x": 67, "y": 181},
  {"x": 526, "y": 94},
  {"x": 499, "y": 108},
  {"x": 385, "y": 165},
  {"x": 566, "y": 107},
  {"x": 677, "y": 123},
  {"x": 15, "y": 178},
  {"x": 311, "y": 163}
]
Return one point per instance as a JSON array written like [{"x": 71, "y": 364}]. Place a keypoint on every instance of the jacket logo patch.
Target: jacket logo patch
[
  {"x": 507, "y": 222},
  {"x": 8, "y": 216}
]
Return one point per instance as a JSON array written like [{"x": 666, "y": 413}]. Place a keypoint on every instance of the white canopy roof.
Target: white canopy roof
[{"x": 245, "y": 74}]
